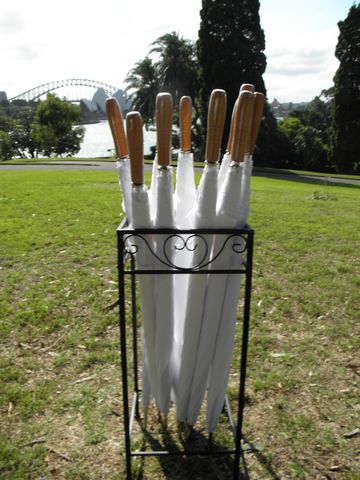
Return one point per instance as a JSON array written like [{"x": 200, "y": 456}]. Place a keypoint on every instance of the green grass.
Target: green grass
[{"x": 60, "y": 403}]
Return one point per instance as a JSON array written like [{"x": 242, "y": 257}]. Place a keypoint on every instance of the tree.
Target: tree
[
  {"x": 346, "y": 145},
  {"x": 144, "y": 82},
  {"x": 305, "y": 148},
  {"x": 23, "y": 140},
  {"x": 175, "y": 72},
  {"x": 7, "y": 150},
  {"x": 53, "y": 129},
  {"x": 315, "y": 130},
  {"x": 318, "y": 114},
  {"x": 231, "y": 52},
  {"x": 177, "y": 66},
  {"x": 6, "y": 146}
]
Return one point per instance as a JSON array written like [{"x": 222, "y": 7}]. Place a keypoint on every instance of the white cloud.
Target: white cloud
[
  {"x": 25, "y": 53},
  {"x": 301, "y": 67},
  {"x": 10, "y": 22},
  {"x": 42, "y": 41}
]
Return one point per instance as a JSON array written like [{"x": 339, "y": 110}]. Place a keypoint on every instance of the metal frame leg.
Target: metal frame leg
[
  {"x": 122, "y": 320},
  {"x": 243, "y": 361}
]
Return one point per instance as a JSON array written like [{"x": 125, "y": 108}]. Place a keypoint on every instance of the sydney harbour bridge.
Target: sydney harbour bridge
[{"x": 76, "y": 90}]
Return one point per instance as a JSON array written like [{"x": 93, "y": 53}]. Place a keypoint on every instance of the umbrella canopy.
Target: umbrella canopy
[
  {"x": 164, "y": 218},
  {"x": 225, "y": 163},
  {"x": 141, "y": 218},
  {"x": 153, "y": 186},
  {"x": 221, "y": 361},
  {"x": 259, "y": 101},
  {"x": 185, "y": 190},
  {"x": 226, "y": 160},
  {"x": 204, "y": 217},
  {"x": 184, "y": 200},
  {"x": 122, "y": 165},
  {"x": 226, "y": 217}
]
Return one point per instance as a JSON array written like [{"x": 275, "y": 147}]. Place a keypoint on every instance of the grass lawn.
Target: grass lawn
[{"x": 60, "y": 401}]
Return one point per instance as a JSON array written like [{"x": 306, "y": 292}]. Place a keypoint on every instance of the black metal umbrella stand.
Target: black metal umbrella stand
[{"x": 129, "y": 241}]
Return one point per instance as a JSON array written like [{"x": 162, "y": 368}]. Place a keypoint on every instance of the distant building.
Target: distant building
[
  {"x": 124, "y": 102},
  {"x": 282, "y": 110},
  {"x": 100, "y": 97},
  {"x": 88, "y": 105},
  {"x": 3, "y": 97}
]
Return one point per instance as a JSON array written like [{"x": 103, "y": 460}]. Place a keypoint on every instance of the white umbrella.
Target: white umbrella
[
  {"x": 184, "y": 200},
  {"x": 224, "y": 347},
  {"x": 122, "y": 165},
  {"x": 226, "y": 216},
  {"x": 225, "y": 163},
  {"x": 204, "y": 217},
  {"x": 226, "y": 160},
  {"x": 164, "y": 283},
  {"x": 185, "y": 190},
  {"x": 221, "y": 361},
  {"x": 153, "y": 186},
  {"x": 141, "y": 219},
  {"x": 259, "y": 100}
]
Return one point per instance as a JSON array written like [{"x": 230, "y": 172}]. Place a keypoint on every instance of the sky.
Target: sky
[{"x": 42, "y": 41}]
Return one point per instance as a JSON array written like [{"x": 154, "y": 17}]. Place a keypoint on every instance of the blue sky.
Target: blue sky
[{"x": 41, "y": 42}]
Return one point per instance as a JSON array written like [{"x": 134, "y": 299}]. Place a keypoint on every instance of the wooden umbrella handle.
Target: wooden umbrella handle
[
  {"x": 259, "y": 101},
  {"x": 116, "y": 123},
  {"x": 185, "y": 124},
  {"x": 163, "y": 127},
  {"x": 232, "y": 126},
  {"x": 135, "y": 138},
  {"x": 243, "y": 123},
  {"x": 247, "y": 87},
  {"x": 215, "y": 127}
]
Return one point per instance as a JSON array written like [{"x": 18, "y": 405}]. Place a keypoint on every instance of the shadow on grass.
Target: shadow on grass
[
  {"x": 181, "y": 467},
  {"x": 306, "y": 178},
  {"x": 196, "y": 467},
  {"x": 262, "y": 459}
]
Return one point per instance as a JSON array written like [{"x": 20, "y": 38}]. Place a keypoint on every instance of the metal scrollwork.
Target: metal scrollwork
[{"x": 162, "y": 250}]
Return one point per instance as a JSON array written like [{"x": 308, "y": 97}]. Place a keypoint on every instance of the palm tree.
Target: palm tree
[
  {"x": 144, "y": 84},
  {"x": 175, "y": 71},
  {"x": 177, "y": 65}
]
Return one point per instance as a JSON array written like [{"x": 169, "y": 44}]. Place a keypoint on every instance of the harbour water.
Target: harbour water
[{"x": 98, "y": 141}]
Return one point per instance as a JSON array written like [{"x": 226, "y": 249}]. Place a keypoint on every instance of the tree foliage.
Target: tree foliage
[
  {"x": 177, "y": 65},
  {"x": 7, "y": 128},
  {"x": 53, "y": 129},
  {"x": 6, "y": 146},
  {"x": 174, "y": 71},
  {"x": 318, "y": 114},
  {"x": 231, "y": 52},
  {"x": 23, "y": 140},
  {"x": 304, "y": 149},
  {"x": 306, "y": 135},
  {"x": 47, "y": 129},
  {"x": 346, "y": 145},
  {"x": 144, "y": 82}
]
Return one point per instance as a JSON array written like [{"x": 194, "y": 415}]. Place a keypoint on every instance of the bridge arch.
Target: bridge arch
[{"x": 37, "y": 92}]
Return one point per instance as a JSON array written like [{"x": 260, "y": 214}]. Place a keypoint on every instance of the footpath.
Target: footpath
[{"x": 109, "y": 166}]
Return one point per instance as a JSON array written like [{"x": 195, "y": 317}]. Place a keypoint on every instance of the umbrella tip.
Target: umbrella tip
[{"x": 247, "y": 87}]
